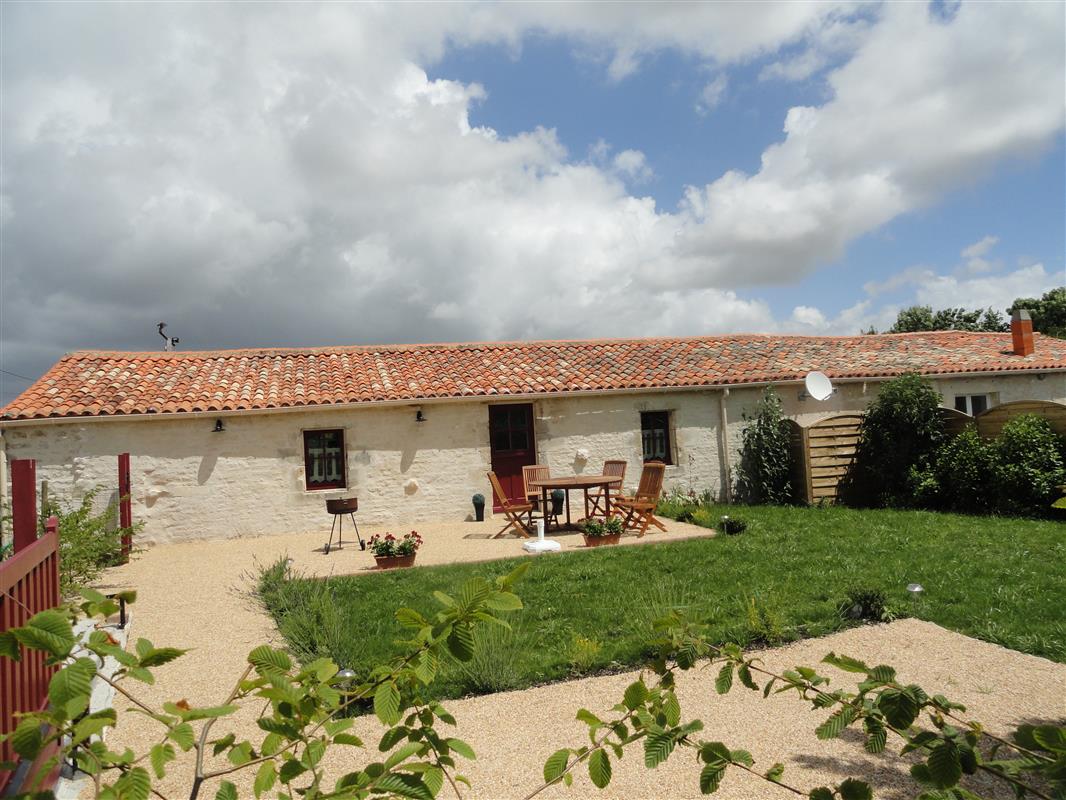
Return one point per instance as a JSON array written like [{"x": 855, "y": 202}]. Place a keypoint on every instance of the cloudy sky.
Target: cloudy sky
[{"x": 272, "y": 174}]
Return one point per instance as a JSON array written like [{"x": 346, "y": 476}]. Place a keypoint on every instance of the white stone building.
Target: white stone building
[{"x": 246, "y": 442}]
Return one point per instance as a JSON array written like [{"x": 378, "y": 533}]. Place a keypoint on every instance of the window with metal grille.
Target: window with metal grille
[
  {"x": 324, "y": 459},
  {"x": 655, "y": 434}
]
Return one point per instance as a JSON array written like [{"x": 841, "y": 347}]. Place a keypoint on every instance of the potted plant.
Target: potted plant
[
  {"x": 391, "y": 552},
  {"x": 598, "y": 534}
]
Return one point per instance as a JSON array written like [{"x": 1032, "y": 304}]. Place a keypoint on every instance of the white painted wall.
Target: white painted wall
[{"x": 189, "y": 482}]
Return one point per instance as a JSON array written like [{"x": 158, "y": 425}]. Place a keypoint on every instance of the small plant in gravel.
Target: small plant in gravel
[
  {"x": 612, "y": 526},
  {"x": 388, "y": 545}
]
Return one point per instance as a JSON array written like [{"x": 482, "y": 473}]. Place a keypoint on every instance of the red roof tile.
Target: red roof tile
[{"x": 95, "y": 383}]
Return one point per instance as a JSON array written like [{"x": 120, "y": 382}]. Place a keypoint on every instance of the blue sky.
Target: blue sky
[
  {"x": 264, "y": 175},
  {"x": 548, "y": 82}
]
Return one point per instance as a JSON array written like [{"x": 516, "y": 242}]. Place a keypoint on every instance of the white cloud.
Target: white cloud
[
  {"x": 980, "y": 248},
  {"x": 712, "y": 94},
  {"x": 278, "y": 174}
]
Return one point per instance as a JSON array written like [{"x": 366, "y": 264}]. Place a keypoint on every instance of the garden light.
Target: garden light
[{"x": 915, "y": 590}]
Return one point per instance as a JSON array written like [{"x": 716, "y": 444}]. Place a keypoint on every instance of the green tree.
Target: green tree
[
  {"x": 765, "y": 469},
  {"x": 1048, "y": 312},
  {"x": 898, "y": 439},
  {"x": 923, "y": 318}
]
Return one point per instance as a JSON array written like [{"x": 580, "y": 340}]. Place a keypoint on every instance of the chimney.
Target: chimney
[{"x": 1021, "y": 332}]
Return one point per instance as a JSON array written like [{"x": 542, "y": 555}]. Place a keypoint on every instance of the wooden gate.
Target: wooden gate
[
  {"x": 29, "y": 583},
  {"x": 825, "y": 451}
]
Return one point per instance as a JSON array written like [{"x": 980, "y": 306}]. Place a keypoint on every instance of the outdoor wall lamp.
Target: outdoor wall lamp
[
  {"x": 219, "y": 427},
  {"x": 419, "y": 416}
]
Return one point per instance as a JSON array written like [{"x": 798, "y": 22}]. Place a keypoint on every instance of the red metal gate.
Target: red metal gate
[{"x": 29, "y": 583}]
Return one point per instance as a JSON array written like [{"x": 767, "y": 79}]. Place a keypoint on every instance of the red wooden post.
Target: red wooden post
[
  {"x": 125, "y": 508},
  {"x": 24, "y": 502}
]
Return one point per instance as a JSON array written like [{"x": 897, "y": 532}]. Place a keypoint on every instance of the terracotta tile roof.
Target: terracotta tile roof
[{"x": 94, "y": 383}]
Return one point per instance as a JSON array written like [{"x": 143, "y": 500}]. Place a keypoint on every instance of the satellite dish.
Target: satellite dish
[{"x": 818, "y": 385}]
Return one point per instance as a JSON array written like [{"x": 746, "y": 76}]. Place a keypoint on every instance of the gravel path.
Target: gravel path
[{"x": 197, "y": 595}]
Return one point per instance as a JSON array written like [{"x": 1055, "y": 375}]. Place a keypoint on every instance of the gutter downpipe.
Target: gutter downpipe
[
  {"x": 4, "y": 503},
  {"x": 723, "y": 447}
]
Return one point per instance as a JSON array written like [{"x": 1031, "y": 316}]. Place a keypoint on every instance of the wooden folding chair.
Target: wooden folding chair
[
  {"x": 514, "y": 512},
  {"x": 638, "y": 508},
  {"x": 537, "y": 472},
  {"x": 598, "y": 501}
]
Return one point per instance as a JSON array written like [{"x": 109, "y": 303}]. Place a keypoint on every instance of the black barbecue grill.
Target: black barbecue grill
[{"x": 338, "y": 507}]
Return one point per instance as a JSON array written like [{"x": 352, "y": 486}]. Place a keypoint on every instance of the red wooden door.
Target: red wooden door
[{"x": 513, "y": 447}]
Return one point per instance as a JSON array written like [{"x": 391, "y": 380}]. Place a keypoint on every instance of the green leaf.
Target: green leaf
[
  {"x": 744, "y": 673},
  {"x": 160, "y": 755},
  {"x": 899, "y": 708},
  {"x": 775, "y": 772},
  {"x": 600, "y": 768},
  {"x": 403, "y": 753},
  {"x": 671, "y": 708},
  {"x": 635, "y": 696},
  {"x": 223, "y": 743},
  {"x": 852, "y": 789},
  {"x": 503, "y": 601},
  {"x": 264, "y": 778},
  {"x": 387, "y": 703},
  {"x": 724, "y": 682},
  {"x": 590, "y": 719},
  {"x": 158, "y": 656},
  {"x": 556, "y": 765},
  {"x": 837, "y": 722},
  {"x": 27, "y": 739},
  {"x": 426, "y": 667},
  {"x": 226, "y": 791},
  {"x": 462, "y": 748},
  {"x": 291, "y": 770},
  {"x": 93, "y": 724},
  {"x": 409, "y": 618},
  {"x": 461, "y": 642},
  {"x": 846, "y": 663},
  {"x": 182, "y": 735},
  {"x": 711, "y": 777},
  {"x": 443, "y": 599},
  {"x": 944, "y": 765},
  {"x": 883, "y": 673},
  {"x": 70, "y": 688},
  {"x": 268, "y": 659},
  {"x": 821, "y": 793},
  {"x": 657, "y": 748},
  {"x": 134, "y": 785},
  {"x": 9, "y": 646},
  {"x": 49, "y": 631},
  {"x": 403, "y": 784},
  {"x": 876, "y": 735},
  {"x": 1050, "y": 737}
]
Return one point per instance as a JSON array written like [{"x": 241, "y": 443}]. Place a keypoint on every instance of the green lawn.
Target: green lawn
[{"x": 1002, "y": 580}]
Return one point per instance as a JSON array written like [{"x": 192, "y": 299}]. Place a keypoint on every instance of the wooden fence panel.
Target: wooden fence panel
[
  {"x": 29, "y": 583},
  {"x": 990, "y": 423},
  {"x": 830, "y": 450}
]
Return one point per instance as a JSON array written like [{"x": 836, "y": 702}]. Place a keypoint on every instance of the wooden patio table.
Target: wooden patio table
[{"x": 584, "y": 482}]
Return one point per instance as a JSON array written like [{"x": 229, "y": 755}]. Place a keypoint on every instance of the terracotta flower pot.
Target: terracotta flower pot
[
  {"x": 600, "y": 541},
  {"x": 394, "y": 562}
]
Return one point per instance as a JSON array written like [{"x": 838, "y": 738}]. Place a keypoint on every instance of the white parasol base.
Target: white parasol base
[{"x": 542, "y": 546}]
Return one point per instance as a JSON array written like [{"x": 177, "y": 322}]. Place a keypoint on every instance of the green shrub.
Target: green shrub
[
  {"x": 964, "y": 471},
  {"x": 764, "y": 474},
  {"x": 898, "y": 439},
  {"x": 868, "y": 604},
  {"x": 1030, "y": 468},
  {"x": 88, "y": 541}
]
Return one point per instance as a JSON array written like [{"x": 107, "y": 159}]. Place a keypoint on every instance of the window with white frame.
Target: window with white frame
[{"x": 972, "y": 404}]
